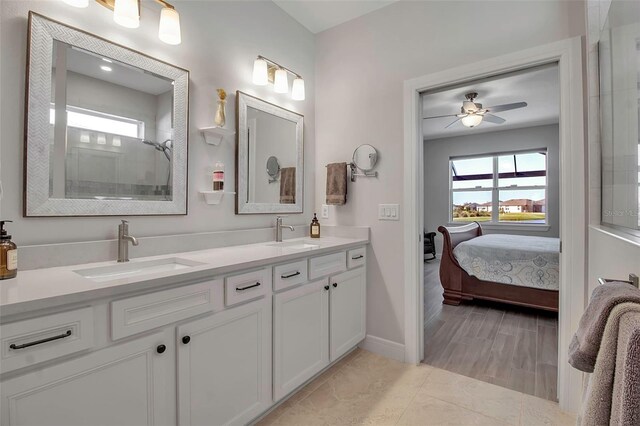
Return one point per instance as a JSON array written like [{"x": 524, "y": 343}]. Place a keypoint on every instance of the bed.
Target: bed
[{"x": 514, "y": 269}]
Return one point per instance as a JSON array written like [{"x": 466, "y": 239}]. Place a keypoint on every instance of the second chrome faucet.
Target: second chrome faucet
[{"x": 123, "y": 241}]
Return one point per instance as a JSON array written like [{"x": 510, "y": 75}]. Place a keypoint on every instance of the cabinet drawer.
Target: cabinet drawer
[
  {"x": 36, "y": 340},
  {"x": 356, "y": 257},
  {"x": 290, "y": 274},
  {"x": 327, "y": 265},
  {"x": 248, "y": 286},
  {"x": 148, "y": 311}
]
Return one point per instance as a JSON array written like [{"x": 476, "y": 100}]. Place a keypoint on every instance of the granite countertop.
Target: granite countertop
[{"x": 50, "y": 287}]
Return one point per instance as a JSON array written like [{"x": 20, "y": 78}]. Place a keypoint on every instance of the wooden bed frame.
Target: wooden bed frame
[{"x": 458, "y": 285}]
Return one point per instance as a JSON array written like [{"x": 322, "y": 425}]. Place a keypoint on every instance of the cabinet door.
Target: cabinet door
[
  {"x": 224, "y": 366},
  {"x": 301, "y": 335},
  {"x": 347, "y": 309},
  {"x": 127, "y": 384}
]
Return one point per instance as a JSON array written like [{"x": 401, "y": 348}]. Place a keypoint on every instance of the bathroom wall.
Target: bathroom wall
[
  {"x": 360, "y": 69},
  {"x": 220, "y": 40},
  {"x": 612, "y": 253},
  {"x": 437, "y": 153}
]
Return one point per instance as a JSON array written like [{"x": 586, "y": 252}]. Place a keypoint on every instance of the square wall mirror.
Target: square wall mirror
[
  {"x": 270, "y": 168},
  {"x": 106, "y": 130}
]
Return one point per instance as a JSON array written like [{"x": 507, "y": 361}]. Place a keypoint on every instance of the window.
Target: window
[
  {"x": 100, "y": 122},
  {"x": 500, "y": 188}
]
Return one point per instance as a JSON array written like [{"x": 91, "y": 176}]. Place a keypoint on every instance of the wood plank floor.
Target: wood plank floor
[{"x": 513, "y": 347}]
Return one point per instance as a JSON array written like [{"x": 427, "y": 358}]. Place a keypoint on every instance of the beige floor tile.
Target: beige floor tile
[
  {"x": 490, "y": 400},
  {"x": 425, "y": 410},
  {"x": 538, "y": 412}
]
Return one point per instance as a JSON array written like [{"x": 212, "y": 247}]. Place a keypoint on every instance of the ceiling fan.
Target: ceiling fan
[{"x": 472, "y": 113}]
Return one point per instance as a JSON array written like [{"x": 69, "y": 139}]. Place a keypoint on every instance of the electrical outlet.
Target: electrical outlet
[
  {"x": 324, "y": 213},
  {"x": 388, "y": 212}
]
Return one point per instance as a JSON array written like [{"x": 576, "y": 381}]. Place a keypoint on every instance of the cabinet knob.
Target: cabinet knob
[
  {"x": 186, "y": 339},
  {"x": 161, "y": 348},
  {"x": 335, "y": 285},
  {"x": 326, "y": 287}
]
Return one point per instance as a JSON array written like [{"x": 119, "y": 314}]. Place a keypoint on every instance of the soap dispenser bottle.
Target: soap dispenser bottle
[
  {"x": 315, "y": 227},
  {"x": 8, "y": 254}
]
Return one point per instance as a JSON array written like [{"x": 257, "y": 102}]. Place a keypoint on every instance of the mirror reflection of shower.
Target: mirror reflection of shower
[{"x": 166, "y": 148}]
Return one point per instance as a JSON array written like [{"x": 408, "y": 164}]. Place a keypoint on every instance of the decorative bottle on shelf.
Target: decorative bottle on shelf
[
  {"x": 218, "y": 176},
  {"x": 221, "y": 116},
  {"x": 315, "y": 227},
  {"x": 8, "y": 254}
]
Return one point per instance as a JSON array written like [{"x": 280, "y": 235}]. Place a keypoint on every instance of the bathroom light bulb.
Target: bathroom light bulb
[
  {"x": 169, "y": 29},
  {"x": 102, "y": 139},
  {"x": 280, "y": 83},
  {"x": 126, "y": 13},
  {"x": 471, "y": 120},
  {"x": 77, "y": 3},
  {"x": 115, "y": 141},
  {"x": 84, "y": 137},
  {"x": 297, "y": 90},
  {"x": 260, "y": 72}
]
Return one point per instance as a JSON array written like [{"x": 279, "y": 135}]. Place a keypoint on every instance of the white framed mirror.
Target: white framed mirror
[
  {"x": 267, "y": 132},
  {"x": 106, "y": 127}
]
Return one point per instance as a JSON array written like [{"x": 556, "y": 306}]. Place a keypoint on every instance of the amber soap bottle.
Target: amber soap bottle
[
  {"x": 8, "y": 254},
  {"x": 315, "y": 227}
]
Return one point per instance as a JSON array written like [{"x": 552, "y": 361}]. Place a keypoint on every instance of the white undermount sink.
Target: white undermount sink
[
  {"x": 133, "y": 269},
  {"x": 296, "y": 245}
]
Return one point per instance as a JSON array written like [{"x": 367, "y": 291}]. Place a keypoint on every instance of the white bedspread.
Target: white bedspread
[{"x": 512, "y": 259}]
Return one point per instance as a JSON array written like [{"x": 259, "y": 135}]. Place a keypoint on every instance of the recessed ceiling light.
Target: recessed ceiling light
[
  {"x": 107, "y": 60},
  {"x": 105, "y": 68}
]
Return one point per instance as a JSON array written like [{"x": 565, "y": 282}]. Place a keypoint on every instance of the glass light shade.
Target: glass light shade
[
  {"x": 260, "y": 72},
  {"x": 471, "y": 120},
  {"x": 280, "y": 83},
  {"x": 102, "y": 139},
  {"x": 115, "y": 141},
  {"x": 77, "y": 3},
  {"x": 297, "y": 90},
  {"x": 126, "y": 13},
  {"x": 169, "y": 30}
]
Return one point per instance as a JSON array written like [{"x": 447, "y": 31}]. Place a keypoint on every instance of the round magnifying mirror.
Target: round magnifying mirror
[
  {"x": 365, "y": 157},
  {"x": 273, "y": 167}
]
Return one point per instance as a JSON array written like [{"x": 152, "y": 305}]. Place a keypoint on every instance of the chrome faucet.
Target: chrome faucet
[
  {"x": 279, "y": 227},
  {"x": 123, "y": 241}
]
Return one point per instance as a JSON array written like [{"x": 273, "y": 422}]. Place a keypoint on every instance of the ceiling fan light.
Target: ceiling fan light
[
  {"x": 126, "y": 13},
  {"x": 169, "y": 29},
  {"x": 471, "y": 120},
  {"x": 260, "y": 72}
]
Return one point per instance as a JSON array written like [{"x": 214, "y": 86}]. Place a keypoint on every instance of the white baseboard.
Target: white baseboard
[{"x": 383, "y": 347}]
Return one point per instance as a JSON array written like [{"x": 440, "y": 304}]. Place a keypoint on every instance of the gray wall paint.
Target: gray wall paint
[
  {"x": 220, "y": 40},
  {"x": 436, "y": 173},
  {"x": 361, "y": 66}
]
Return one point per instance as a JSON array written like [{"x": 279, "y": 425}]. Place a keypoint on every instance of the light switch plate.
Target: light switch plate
[
  {"x": 388, "y": 212},
  {"x": 324, "y": 213}
]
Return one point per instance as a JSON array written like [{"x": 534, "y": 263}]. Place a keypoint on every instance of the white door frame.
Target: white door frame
[{"x": 573, "y": 208}]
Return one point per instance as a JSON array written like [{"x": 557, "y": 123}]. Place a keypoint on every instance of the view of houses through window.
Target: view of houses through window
[{"x": 504, "y": 187}]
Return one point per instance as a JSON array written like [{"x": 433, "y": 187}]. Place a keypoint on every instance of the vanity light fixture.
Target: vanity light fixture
[
  {"x": 267, "y": 71},
  {"x": 127, "y": 14}
]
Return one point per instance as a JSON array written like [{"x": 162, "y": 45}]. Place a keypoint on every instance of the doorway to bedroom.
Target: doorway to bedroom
[{"x": 491, "y": 240}]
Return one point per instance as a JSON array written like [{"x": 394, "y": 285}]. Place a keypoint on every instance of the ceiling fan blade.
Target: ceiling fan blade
[
  {"x": 451, "y": 124},
  {"x": 493, "y": 118},
  {"x": 440, "y": 116},
  {"x": 507, "y": 107}
]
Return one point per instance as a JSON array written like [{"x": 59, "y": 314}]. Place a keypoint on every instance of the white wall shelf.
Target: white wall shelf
[
  {"x": 214, "y": 197},
  {"x": 215, "y": 135}
]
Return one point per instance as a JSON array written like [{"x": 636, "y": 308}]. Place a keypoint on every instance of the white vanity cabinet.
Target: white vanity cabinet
[
  {"x": 224, "y": 366},
  {"x": 300, "y": 335},
  {"x": 126, "y": 384},
  {"x": 347, "y": 311}
]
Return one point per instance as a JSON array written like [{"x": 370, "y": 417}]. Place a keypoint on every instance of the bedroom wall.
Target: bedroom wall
[
  {"x": 436, "y": 173},
  {"x": 220, "y": 40}
]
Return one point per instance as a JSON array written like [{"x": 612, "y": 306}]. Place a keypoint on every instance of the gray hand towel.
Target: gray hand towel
[
  {"x": 288, "y": 185},
  {"x": 604, "y": 401},
  {"x": 585, "y": 344},
  {"x": 337, "y": 184},
  {"x": 626, "y": 409}
]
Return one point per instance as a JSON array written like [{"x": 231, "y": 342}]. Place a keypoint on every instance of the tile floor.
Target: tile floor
[{"x": 365, "y": 388}]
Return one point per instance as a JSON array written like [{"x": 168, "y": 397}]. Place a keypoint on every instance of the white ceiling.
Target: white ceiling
[
  {"x": 320, "y": 15},
  {"x": 538, "y": 87}
]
